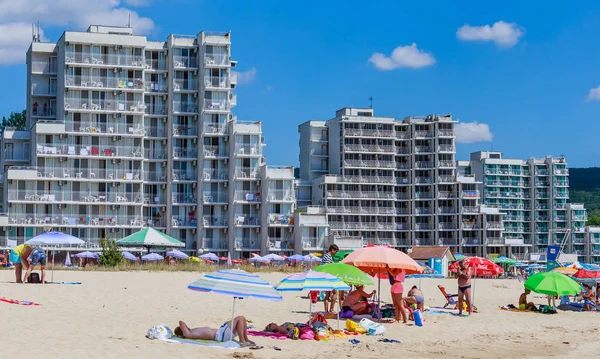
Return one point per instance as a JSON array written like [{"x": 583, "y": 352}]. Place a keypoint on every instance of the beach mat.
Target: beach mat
[
  {"x": 205, "y": 343},
  {"x": 268, "y": 335},
  {"x": 64, "y": 283},
  {"x": 440, "y": 310},
  {"x": 19, "y": 302}
]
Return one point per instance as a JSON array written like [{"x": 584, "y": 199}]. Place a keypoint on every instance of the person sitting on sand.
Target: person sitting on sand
[
  {"x": 523, "y": 304},
  {"x": 356, "y": 301},
  {"x": 588, "y": 298},
  {"x": 415, "y": 296},
  {"x": 223, "y": 334},
  {"x": 38, "y": 255},
  {"x": 290, "y": 329}
]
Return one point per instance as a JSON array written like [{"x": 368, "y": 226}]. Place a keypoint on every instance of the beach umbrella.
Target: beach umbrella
[
  {"x": 311, "y": 258},
  {"x": 149, "y": 237},
  {"x": 129, "y": 256},
  {"x": 237, "y": 284},
  {"x": 260, "y": 260},
  {"x": 68, "y": 260},
  {"x": 587, "y": 275},
  {"x": 347, "y": 273},
  {"x": 54, "y": 239},
  {"x": 565, "y": 270},
  {"x": 177, "y": 254},
  {"x": 254, "y": 255},
  {"x": 505, "y": 260},
  {"x": 459, "y": 256},
  {"x": 223, "y": 258},
  {"x": 88, "y": 255},
  {"x": 552, "y": 283},
  {"x": 152, "y": 257},
  {"x": 481, "y": 267},
  {"x": 296, "y": 257},
  {"x": 210, "y": 257},
  {"x": 274, "y": 257},
  {"x": 378, "y": 260}
]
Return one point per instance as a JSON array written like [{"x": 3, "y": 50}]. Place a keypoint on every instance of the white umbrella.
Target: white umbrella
[
  {"x": 274, "y": 257},
  {"x": 68, "y": 260},
  {"x": 54, "y": 239}
]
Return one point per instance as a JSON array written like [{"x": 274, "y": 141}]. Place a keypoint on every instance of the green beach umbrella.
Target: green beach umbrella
[
  {"x": 552, "y": 283},
  {"x": 504, "y": 260},
  {"x": 345, "y": 272},
  {"x": 149, "y": 237}
]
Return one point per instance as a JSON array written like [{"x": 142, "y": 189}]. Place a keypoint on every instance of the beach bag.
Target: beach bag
[
  {"x": 371, "y": 327},
  {"x": 161, "y": 332},
  {"x": 353, "y": 327},
  {"x": 34, "y": 278}
]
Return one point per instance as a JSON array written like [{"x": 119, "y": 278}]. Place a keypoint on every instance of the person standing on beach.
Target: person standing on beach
[
  {"x": 38, "y": 255},
  {"x": 330, "y": 296},
  {"x": 464, "y": 287},
  {"x": 18, "y": 256},
  {"x": 398, "y": 276}
]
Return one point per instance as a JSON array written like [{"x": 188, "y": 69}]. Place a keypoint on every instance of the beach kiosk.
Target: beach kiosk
[{"x": 437, "y": 257}]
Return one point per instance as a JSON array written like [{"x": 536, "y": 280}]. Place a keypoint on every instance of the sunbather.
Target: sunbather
[
  {"x": 223, "y": 334},
  {"x": 415, "y": 296},
  {"x": 523, "y": 304},
  {"x": 356, "y": 301},
  {"x": 290, "y": 329},
  {"x": 588, "y": 298}
]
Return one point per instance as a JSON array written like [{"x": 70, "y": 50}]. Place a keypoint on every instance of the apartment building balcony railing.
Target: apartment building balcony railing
[
  {"x": 369, "y": 179},
  {"x": 247, "y": 220},
  {"x": 448, "y": 241},
  {"x": 361, "y": 225},
  {"x": 470, "y": 209},
  {"x": 494, "y": 225},
  {"x": 357, "y": 132},
  {"x": 308, "y": 243},
  {"x": 402, "y": 211},
  {"x": 76, "y": 197},
  {"x": 215, "y": 175},
  {"x": 215, "y": 151},
  {"x": 88, "y": 173},
  {"x": 155, "y": 154},
  {"x": 423, "y": 149},
  {"x": 368, "y": 148},
  {"x": 247, "y": 196},
  {"x": 446, "y": 195},
  {"x": 402, "y": 195},
  {"x": 97, "y": 105},
  {"x": 217, "y": 60},
  {"x": 561, "y": 194},
  {"x": 214, "y": 197},
  {"x": 470, "y": 225},
  {"x": 157, "y": 110},
  {"x": 155, "y": 176},
  {"x": 469, "y": 194},
  {"x": 446, "y": 148},
  {"x": 158, "y": 65},
  {"x": 184, "y": 175},
  {"x": 560, "y": 218},
  {"x": 246, "y": 172},
  {"x": 446, "y": 164},
  {"x": 447, "y": 226},
  {"x": 185, "y": 61},
  {"x": 420, "y": 210},
  {"x": 185, "y": 107},
  {"x": 185, "y": 130},
  {"x": 543, "y": 195},
  {"x": 542, "y": 218},
  {"x": 360, "y": 194},
  {"x": 121, "y": 60},
  {"x": 48, "y": 149},
  {"x": 214, "y": 221},
  {"x": 215, "y": 244},
  {"x": 561, "y": 172},
  {"x": 471, "y": 242},
  {"x": 217, "y": 83},
  {"x": 183, "y": 198},
  {"x": 11, "y": 156},
  {"x": 247, "y": 150},
  {"x": 41, "y": 91},
  {"x": 43, "y": 67},
  {"x": 251, "y": 244},
  {"x": 495, "y": 240},
  {"x": 542, "y": 184},
  {"x": 446, "y": 179},
  {"x": 447, "y": 210},
  {"x": 279, "y": 195},
  {"x": 49, "y": 112},
  {"x": 155, "y": 222},
  {"x": 424, "y": 242},
  {"x": 216, "y": 105},
  {"x": 562, "y": 183},
  {"x": 185, "y": 85},
  {"x": 214, "y": 128},
  {"x": 369, "y": 164},
  {"x": 423, "y": 134},
  {"x": 578, "y": 241},
  {"x": 112, "y": 128},
  {"x": 403, "y": 151},
  {"x": 402, "y": 166},
  {"x": 184, "y": 153},
  {"x": 423, "y": 164},
  {"x": 76, "y": 220},
  {"x": 182, "y": 221},
  {"x": 580, "y": 217},
  {"x": 423, "y": 179},
  {"x": 157, "y": 87},
  {"x": 277, "y": 219},
  {"x": 104, "y": 82},
  {"x": 423, "y": 195},
  {"x": 446, "y": 133},
  {"x": 558, "y": 205}
]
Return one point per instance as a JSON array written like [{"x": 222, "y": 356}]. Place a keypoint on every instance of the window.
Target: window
[{"x": 8, "y": 151}]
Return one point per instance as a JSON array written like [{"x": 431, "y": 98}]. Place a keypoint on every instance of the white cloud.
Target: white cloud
[
  {"x": 137, "y": 3},
  {"x": 402, "y": 56},
  {"x": 267, "y": 90},
  {"x": 246, "y": 77},
  {"x": 17, "y": 16},
  {"x": 471, "y": 132},
  {"x": 593, "y": 94},
  {"x": 502, "y": 33}
]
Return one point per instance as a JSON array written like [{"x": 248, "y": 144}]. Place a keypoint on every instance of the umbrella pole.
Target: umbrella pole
[
  {"x": 379, "y": 296},
  {"x": 52, "y": 266}
]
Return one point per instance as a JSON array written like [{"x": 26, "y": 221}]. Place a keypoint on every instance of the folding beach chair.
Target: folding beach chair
[{"x": 449, "y": 297}]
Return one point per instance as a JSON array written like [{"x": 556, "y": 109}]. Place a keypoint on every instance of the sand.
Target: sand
[{"x": 108, "y": 315}]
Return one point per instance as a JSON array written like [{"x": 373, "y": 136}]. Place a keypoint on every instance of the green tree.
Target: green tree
[
  {"x": 111, "y": 254},
  {"x": 15, "y": 119}
]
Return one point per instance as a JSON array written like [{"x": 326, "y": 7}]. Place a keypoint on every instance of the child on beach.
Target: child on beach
[{"x": 223, "y": 334}]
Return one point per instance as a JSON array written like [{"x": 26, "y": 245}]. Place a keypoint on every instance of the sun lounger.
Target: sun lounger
[{"x": 449, "y": 297}]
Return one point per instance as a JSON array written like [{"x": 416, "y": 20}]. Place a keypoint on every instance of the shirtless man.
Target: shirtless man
[
  {"x": 464, "y": 288},
  {"x": 223, "y": 334},
  {"x": 523, "y": 304},
  {"x": 415, "y": 296},
  {"x": 356, "y": 301}
]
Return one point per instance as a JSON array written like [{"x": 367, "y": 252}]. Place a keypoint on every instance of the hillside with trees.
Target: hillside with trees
[{"x": 584, "y": 185}]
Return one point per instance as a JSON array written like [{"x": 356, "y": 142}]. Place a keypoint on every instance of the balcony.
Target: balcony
[
  {"x": 561, "y": 172},
  {"x": 470, "y": 225},
  {"x": 561, "y": 194},
  {"x": 182, "y": 222},
  {"x": 183, "y": 153},
  {"x": 112, "y": 128},
  {"x": 213, "y": 221},
  {"x": 471, "y": 242},
  {"x": 247, "y": 220},
  {"x": 156, "y": 109},
  {"x": 185, "y": 130},
  {"x": 184, "y": 175},
  {"x": 215, "y": 151},
  {"x": 284, "y": 243},
  {"x": 183, "y": 198},
  {"x": 180, "y": 85},
  {"x": 368, "y": 148},
  {"x": 159, "y": 87},
  {"x": 43, "y": 67},
  {"x": 150, "y": 154},
  {"x": 424, "y": 242},
  {"x": 181, "y": 107},
  {"x": 155, "y": 222},
  {"x": 101, "y": 60},
  {"x": 58, "y": 150},
  {"x": 423, "y": 195},
  {"x": 280, "y": 195},
  {"x": 247, "y": 244},
  {"x": 368, "y": 179},
  {"x": 110, "y": 105},
  {"x": 423, "y": 165},
  {"x": 446, "y": 164},
  {"x": 76, "y": 197},
  {"x": 446, "y": 148},
  {"x": 215, "y": 197},
  {"x": 563, "y": 183},
  {"x": 357, "y": 132},
  {"x": 215, "y": 175},
  {"x": 104, "y": 82},
  {"x": 154, "y": 176},
  {"x": 216, "y": 83},
  {"x": 447, "y": 210},
  {"x": 76, "y": 220},
  {"x": 423, "y": 180},
  {"x": 156, "y": 64},
  {"x": 423, "y": 149},
  {"x": 247, "y": 196},
  {"x": 362, "y": 225},
  {"x": 451, "y": 226},
  {"x": 446, "y": 133},
  {"x": 423, "y": 211},
  {"x": 211, "y": 60},
  {"x": 247, "y": 150},
  {"x": 423, "y": 134},
  {"x": 245, "y": 173},
  {"x": 469, "y": 194},
  {"x": 211, "y": 128},
  {"x": 446, "y": 179},
  {"x": 88, "y": 173},
  {"x": 446, "y": 241},
  {"x": 497, "y": 241},
  {"x": 185, "y": 62},
  {"x": 446, "y": 195},
  {"x": 309, "y": 243},
  {"x": 276, "y": 219},
  {"x": 494, "y": 225},
  {"x": 216, "y": 105},
  {"x": 214, "y": 244},
  {"x": 42, "y": 91}
]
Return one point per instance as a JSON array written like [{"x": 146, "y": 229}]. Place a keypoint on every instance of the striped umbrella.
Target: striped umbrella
[
  {"x": 237, "y": 284},
  {"x": 149, "y": 237}
]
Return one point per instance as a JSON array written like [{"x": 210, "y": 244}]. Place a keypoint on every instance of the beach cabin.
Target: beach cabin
[{"x": 438, "y": 258}]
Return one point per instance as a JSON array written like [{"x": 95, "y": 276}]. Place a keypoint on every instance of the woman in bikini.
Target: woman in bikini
[
  {"x": 398, "y": 276},
  {"x": 464, "y": 288}
]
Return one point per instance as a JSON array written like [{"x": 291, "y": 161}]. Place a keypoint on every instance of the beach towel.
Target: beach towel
[
  {"x": 19, "y": 302},
  {"x": 268, "y": 335},
  {"x": 64, "y": 283},
  {"x": 206, "y": 343}
]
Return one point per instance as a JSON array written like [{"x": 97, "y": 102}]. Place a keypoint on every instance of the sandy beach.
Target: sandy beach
[{"x": 110, "y": 312}]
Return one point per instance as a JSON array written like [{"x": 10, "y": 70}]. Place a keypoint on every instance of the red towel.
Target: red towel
[{"x": 268, "y": 335}]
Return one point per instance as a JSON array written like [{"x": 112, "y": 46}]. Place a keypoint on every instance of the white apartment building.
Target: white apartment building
[
  {"x": 128, "y": 133},
  {"x": 533, "y": 195},
  {"x": 388, "y": 181}
]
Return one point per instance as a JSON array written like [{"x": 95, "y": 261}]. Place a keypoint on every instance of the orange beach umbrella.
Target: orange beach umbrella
[{"x": 375, "y": 259}]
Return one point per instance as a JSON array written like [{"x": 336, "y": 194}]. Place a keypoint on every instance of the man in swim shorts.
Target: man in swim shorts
[
  {"x": 464, "y": 287},
  {"x": 356, "y": 301},
  {"x": 223, "y": 334},
  {"x": 38, "y": 255},
  {"x": 523, "y": 305},
  {"x": 18, "y": 257},
  {"x": 415, "y": 296}
]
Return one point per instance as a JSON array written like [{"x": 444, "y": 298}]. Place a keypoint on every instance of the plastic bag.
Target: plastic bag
[
  {"x": 371, "y": 327},
  {"x": 161, "y": 332},
  {"x": 352, "y": 327}
]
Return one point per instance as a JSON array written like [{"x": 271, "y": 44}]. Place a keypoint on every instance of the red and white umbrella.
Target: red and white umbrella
[{"x": 481, "y": 267}]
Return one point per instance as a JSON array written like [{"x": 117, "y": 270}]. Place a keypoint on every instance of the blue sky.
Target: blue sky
[{"x": 528, "y": 81}]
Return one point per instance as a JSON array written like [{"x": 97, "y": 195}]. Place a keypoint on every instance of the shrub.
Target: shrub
[{"x": 111, "y": 254}]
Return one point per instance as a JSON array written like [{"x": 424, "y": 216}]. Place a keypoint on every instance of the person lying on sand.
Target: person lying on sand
[
  {"x": 223, "y": 334},
  {"x": 356, "y": 301},
  {"x": 287, "y": 328},
  {"x": 523, "y": 304}
]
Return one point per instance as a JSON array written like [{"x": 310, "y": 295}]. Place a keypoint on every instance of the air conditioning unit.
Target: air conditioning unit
[
  {"x": 115, "y": 70},
  {"x": 164, "y": 142},
  {"x": 195, "y": 94},
  {"x": 225, "y": 207},
  {"x": 291, "y": 229},
  {"x": 258, "y": 206},
  {"x": 225, "y": 160},
  {"x": 225, "y": 184},
  {"x": 258, "y": 183},
  {"x": 257, "y": 229},
  {"x": 193, "y": 230},
  {"x": 164, "y": 164},
  {"x": 165, "y": 75},
  {"x": 194, "y": 163},
  {"x": 163, "y": 209},
  {"x": 225, "y": 230}
]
